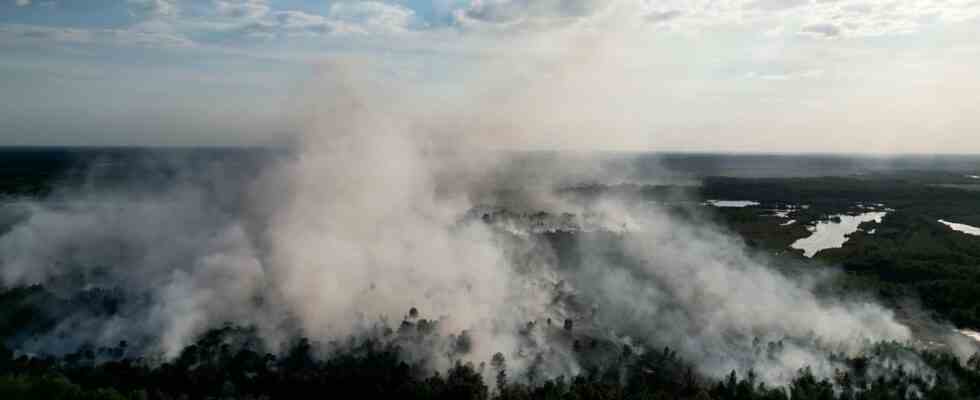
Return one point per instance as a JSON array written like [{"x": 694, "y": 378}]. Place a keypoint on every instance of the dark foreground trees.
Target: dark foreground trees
[{"x": 222, "y": 366}]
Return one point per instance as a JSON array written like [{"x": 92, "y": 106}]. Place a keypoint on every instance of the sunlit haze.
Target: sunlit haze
[{"x": 879, "y": 76}]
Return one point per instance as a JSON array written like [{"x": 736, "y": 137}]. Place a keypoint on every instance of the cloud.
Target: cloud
[
  {"x": 776, "y": 5},
  {"x": 371, "y": 17},
  {"x": 298, "y": 21},
  {"x": 36, "y": 32},
  {"x": 840, "y": 18},
  {"x": 345, "y": 18},
  {"x": 663, "y": 16},
  {"x": 788, "y": 75},
  {"x": 849, "y": 18},
  {"x": 22, "y": 3},
  {"x": 862, "y": 18},
  {"x": 221, "y": 20},
  {"x": 115, "y": 37},
  {"x": 243, "y": 9},
  {"x": 153, "y": 8},
  {"x": 525, "y": 13},
  {"x": 360, "y": 17},
  {"x": 822, "y": 29},
  {"x": 143, "y": 23}
]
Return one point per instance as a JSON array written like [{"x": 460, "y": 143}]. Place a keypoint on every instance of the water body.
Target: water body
[
  {"x": 785, "y": 213},
  {"x": 782, "y": 213},
  {"x": 967, "y": 229},
  {"x": 970, "y": 334},
  {"x": 731, "y": 203},
  {"x": 829, "y": 234}
]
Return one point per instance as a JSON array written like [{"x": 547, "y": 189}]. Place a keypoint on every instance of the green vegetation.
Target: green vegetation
[
  {"x": 228, "y": 363},
  {"x": 232, "y": 362},
  {"x": 834, "y": 195},
  {"x": 915, "y": 256},
  {"x": 911, "y": 255}
]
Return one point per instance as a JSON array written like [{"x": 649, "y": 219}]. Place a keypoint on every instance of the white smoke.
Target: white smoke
[
  {"x": 700, "y": 292},
  {"x": 368, "y": 218}
]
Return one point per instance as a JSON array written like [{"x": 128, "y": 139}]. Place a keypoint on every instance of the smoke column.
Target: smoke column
[{"x": 368, "y": 217}]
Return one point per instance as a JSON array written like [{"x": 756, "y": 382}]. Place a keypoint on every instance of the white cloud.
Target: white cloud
[
  {"x": 344, "y": 18},
  {"x": 299, "y": 20},
  {"x": 370, "y": 17},
  {"x": 164, "y": 23},
  {"x": 837, "y": 19},
  {"x": 153, "y": 8},
  {"x": 821, "y": 29},
  {"x": 663, "y": 16},
  {"x": 251, "y": 19},
  {"x": 526, "y": 13},
  {"x": 882, "y": 17},
  {"x": 787, "y": 75},
  {"x": 821, "y": 18},
  {"x": 288, "y": 23},
  {"x": 703, "y": 65},
  {"x": 29, "y": 32},
  {"x": 116, "y": 37},
  {"x": 775, "y": 5},
  {"x": 243, "y": 9},
  {"x": 22, "y": 3}
]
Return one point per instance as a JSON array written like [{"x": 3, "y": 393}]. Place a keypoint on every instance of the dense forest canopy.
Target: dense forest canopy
[{"x": 630, "y": 291}]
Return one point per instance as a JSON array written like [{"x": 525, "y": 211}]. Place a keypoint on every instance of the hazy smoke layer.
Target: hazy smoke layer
[
  {"x": 368, "y": 217},
  {"x": 698, "y": 291}
]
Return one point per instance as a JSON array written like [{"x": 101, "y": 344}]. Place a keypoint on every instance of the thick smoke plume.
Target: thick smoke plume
[{"x": 372, "y": 213}]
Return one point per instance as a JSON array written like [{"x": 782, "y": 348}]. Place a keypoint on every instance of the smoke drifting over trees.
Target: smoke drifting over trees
[{"x": 371, "y": 215}]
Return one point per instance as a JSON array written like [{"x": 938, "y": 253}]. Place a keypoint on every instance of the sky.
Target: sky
[{"x": 879, "y": 76}]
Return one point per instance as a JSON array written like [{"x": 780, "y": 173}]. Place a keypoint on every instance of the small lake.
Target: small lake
[
  {"x": 967, "y": 229},
  {"x": 731, "y": 203},
  {"x": 970, "y": 334},
  {"x": 830, "y": 234}
]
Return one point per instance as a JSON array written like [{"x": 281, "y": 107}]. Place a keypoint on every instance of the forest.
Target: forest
[
  {"x": 229, "y": 363},
  {"x": 910, "y": 256}
]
